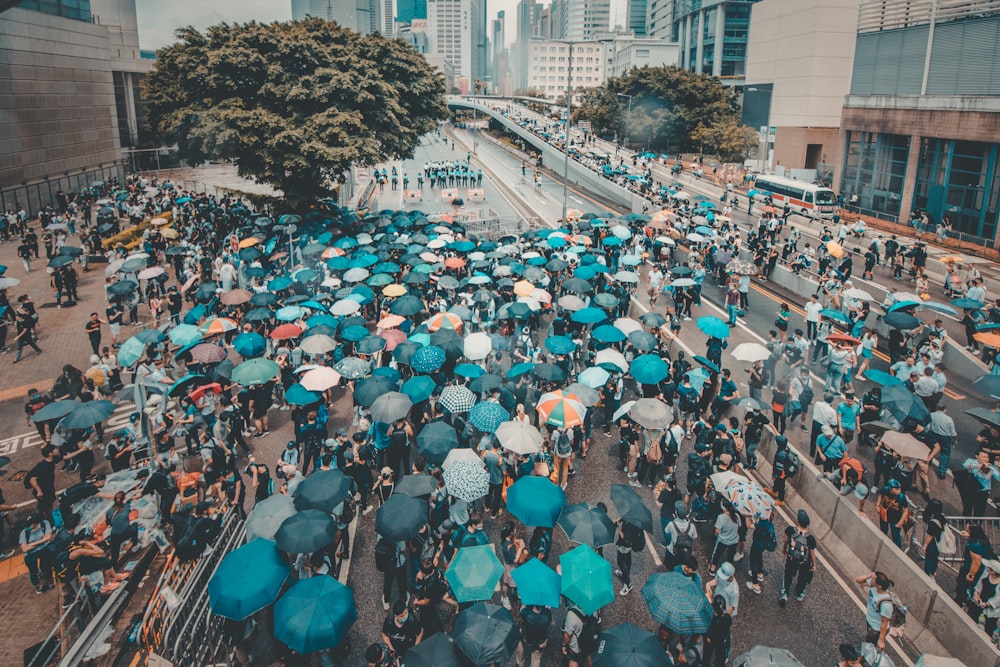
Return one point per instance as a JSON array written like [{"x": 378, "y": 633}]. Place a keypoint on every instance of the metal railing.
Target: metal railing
[
  {"x": 955, "y": 525},
  {"x": 68, "y": 628},
  {"x": 178, "y": 624}
]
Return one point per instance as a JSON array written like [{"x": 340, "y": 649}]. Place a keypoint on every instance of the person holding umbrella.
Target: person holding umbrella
[{"x": 717, "y": 639}]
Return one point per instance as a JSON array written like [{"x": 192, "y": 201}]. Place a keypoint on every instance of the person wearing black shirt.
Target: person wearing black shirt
[
  {"x": 800, "y": 558},
  {"x": 42, "y": 479},
  {"x": 667, "y": 496},
  {"x": 717, "y": 639},
  {"x": 401, "y": 631},
  {"x": 535, "y": 623}
]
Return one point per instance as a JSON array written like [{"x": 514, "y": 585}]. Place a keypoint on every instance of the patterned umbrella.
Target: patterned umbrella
[
  {"x": 586, "y": 579},
  {"x": 427, "y": 359},
  {"x": 560, "y": 345},
  {"x": 749, "y": 498},
  {"x": 519, "y": 437},
  {"x": 467, "y": 480},
  {"x": 444, "y": 321},
  {"x": 677, "y": 603},
  {"x": 487, "y": 416},
  {"x": 457, "y": 398},
  {"x": 535, "y": 501},
  {"x": 474, "y": 573},
  {"x": 561, "y": 409},
  {"x": 218, "y": 325}
]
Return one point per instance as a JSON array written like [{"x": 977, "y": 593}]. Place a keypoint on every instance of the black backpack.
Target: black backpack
[
  {"x": 806, "y": 396},
  {"x": 635, "y": 536},
  {"x": 590, "y": 635},
  {"x": 385, "y": 555},
  {"x": 792, "y": 463}
]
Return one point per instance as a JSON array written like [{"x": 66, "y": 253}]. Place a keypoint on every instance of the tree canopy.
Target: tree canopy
[
  {"x": 294, "y": 103},
  {"x": 668, "y": 104}
]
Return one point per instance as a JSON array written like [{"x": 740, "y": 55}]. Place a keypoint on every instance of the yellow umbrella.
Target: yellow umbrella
[
  {"x": 394, "y": 290},
  {"x": 249, "y": 241},
  {"x": 989, "y": 340},
  {"x": 523, "y": 288},
  {"x": 170, "y": 233},
  {"x": 835, "y": 249}
]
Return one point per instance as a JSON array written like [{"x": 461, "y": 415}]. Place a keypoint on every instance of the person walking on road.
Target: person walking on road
[
  {"x": 25, "y": 323},
  {"x": 879, "y": 608},
  {"x": 800, "y": 558}
]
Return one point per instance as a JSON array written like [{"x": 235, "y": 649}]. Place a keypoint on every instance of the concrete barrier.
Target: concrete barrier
[{"x": 948, "y": 624}]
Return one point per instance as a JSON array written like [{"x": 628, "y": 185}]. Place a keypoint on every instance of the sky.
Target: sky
[{"x": 158, "y": 19}]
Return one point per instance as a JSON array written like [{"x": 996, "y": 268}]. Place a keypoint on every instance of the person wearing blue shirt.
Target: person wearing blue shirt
[
  {"x": 847, "y": 417},
  {"x": 985, "y": 473},
  {"x": 728, "y": 392},
  {"x": 830, "y": 448}
]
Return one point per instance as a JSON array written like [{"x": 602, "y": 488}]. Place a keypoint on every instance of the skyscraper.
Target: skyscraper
[
  {"x": 636, "y": 17},
  {"x": 357, "y": 15},
  {"x": 457, "y": 31},
  {"x": 408, "y": 10},
  {"x": 587, "y": 18},
  {"x": 713, "y": 37},
  {"x": 526, "y": 14}
]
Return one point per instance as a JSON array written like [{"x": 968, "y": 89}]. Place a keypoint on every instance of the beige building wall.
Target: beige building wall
[{"x": 806, "y": 50}]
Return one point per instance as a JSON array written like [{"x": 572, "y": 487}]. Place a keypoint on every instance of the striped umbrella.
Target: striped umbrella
[
  {"x": 560, "y": 409},
  {"x": 218, "y": 325},
  {"x": 458, "y": 398},
  {"x": 444, "y": 321},
  {"x": 487, "y": 416}
]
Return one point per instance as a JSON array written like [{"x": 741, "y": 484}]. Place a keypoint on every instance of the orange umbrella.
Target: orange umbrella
[
  {"x": 770, "y": 209},
  {"x": 835, "y": 249},
  {"x": 523, "y": 288},
  {"x": 249, "y": 241},
  {"x": 390, "y": 321},
  {"x": 561, "y": 409},
  {"x": 218, "y": 325},
  {"x": 581, "y": 239},
  {"x": 989, "y": 339},
  {"x": 951, "y": 259},
  {"x": 333, "y": 252},
  {"x": 286, "y": 331},
  {"x": 454, "y": 262},
  {"x": 444, "y": 321}
]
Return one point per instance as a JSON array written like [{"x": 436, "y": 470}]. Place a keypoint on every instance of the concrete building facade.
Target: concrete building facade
[
  {"x": 636, "y": 15},
  {"x": 660, "y": 20},
  {"x": 586, "y": 18},
  {"x": 550, "y": 64},
  {"x": 361, "y": 16},
  {"x": 642, "y": 52},
  {"x": 798, "y": 70},
  {"x": 713, "y": 36},
  {"x": 69, "y": 96},
  {"x": 920, "y": 128},
  {"x": 457, "y": 31}
]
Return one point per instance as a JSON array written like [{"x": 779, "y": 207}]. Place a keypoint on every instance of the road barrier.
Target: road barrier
[{"x": 475, "y": 194}]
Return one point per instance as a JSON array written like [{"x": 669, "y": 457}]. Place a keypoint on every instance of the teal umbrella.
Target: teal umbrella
[
  {"x": 184, "y": 334},
  {"x": 314, "y": 614},
  {"x": 535, "y": 501},
  {"x": 677, "y": 603},
  {"x": 255, "y": 371},
  {"x": 627, "y": 645},
  {"x": 55, "y": 410},
  {"x": 586, "y": 579},
  {"x": 474, "y": 573},
  {"x": 268, "y": 515},
  {"x": 649, "y": 369},
  {"x": 537, "y": 583},
  {"x": 296, "y": 394},
  {"x": 419, "y": 388},
  {"x": 247, "y": 580},
  {"x": 87, "y": 414},
  {"x": 130, "y": 352}
]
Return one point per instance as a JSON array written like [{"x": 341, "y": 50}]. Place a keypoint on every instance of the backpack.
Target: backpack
[
  {"x": 385, "y": 555},
  {"x": 792, "y": 463},
  {"x": 635, "y": 536},
  {"x": 564, "y": 448},
  {"x": 897, "y": 622},
  {"x": 806, "y": 395},
  {"x": 770, "y": 538},
  {"x": 798, "y": 547},
  {"x": 684, "y": 543},
  {"x": 714, "y": 349},
  {"x": 589, "y": 636}
]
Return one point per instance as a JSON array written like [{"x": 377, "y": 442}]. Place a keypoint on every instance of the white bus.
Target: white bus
[{"x": 812, "y": 201}]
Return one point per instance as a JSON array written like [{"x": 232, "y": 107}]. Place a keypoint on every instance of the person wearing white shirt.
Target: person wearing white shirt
[
  {"x": 823, "y": 414},
  {"x": 812, "y": 308},
  {"x": 943, "y": 428}
]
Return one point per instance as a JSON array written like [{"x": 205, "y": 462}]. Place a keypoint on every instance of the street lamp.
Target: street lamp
[
  {"x": 767, "y": 127},
  {"x": 569, "y": 113},
  {"x": 476, "y": 85},
  {"x": 628, "y": 118}
]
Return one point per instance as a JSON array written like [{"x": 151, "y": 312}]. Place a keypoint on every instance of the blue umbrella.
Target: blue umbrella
[
  {"x": 184, "y": 334},
  {"x": 279, "y": 283},
  {"x": 305, "y": 275},
  {"x": 247, "y": 580},
  {"x": 469, "y": 371},
  {"x": 338, "y": 263},
  {"x": 296, "y": 394},
  {"x": 903, "y": 305},
  {"x": 835, "y": 315},
  {"x": 608, "y": 334},
  {"x": 427, "y": 359},
  {"x": 363, "y": 261},
  {"x": 520, "y": 369},
  {"x": 130, "y": 352},
  {"x": 354, "y": 333},
  {"x": 967, "y": 304},
  {"x": 418, "y": 388},
  {"x": 387, "y": 372},
  {"x": 87, "y": 414},
  {"x": 249, "y": 344},
  {"x": 151, "y": 336},
  {"x": 314, "y": 614},
  {"x": 487, "y": 416},
  {"x": 939, "y": 307},
  {"x": 560, "y": 345},
  {"x": 698, "y": 377},
  {"x": 708, "y": 363},
  {"x": 288, "y": 314},
  {"x": 537, "y": 583},
  {"x": 611, "y": 241},
  {"x": 55, "y": 410},
  {"x": 649, "y": 369},
  {"x": 473, "y": 573},
  {"x": 881, "y": 377},
  {"x": 535, "y": 501},
  {"x": 328, "y": 320},
  {"x": 589, "y": 316},
  {"x": 713, "y": 326},
  {"x": 677, "y": 603}
]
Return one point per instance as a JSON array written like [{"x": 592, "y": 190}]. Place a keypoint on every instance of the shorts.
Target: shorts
[
  {"x": 866, "y": 352},
  {"x": 115, "y": 329}
]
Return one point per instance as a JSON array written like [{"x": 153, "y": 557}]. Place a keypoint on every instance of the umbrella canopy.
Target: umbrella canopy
[
  {"x": 255, "y": 371},
  {"x": 131, "y": 351},
  {"x": 905, "y": 445},
  {"x": 184, "y": 334},
  {"x": 55, "y": 410},
  {"x": 401, "y": 517},
  {"x": 207, "y": 353},
  {"x": 457, "y": 398},
  {"x": 649, "y": 369},
  {"x": 474, "y": 573},
  {"x": 323, "y": 490},
  {"x": 901, "y": 321},
  {"x": 487, "y": 416},
  {"x": 642, "y": 341},
  {"x": 416, "y": 486},
  {"x": 419, "y": 388},
  {"x": 368, "y": 390},
  {"x": 435, "y": 441},
  {"x": 883, "y": 378},
  {"x": 391, "y": 406},
  {"x": 467, "y": 480},
  {"x": 593, "y": 377},
  {"x": 749, "y": 498},
  {"x": 765, "y": 656},
  {"x": 438, "y": 650},
  {"x": 904, "y": 404},
  {"x": 713, "y": 326},
  {"x": 88, "y": 414},
  {"x": 477, "y": 346},
  {"x": 268, "y": 515},
  {"x": 586, "y": 579},
  {"x": 306, "y": 531},
  {"x": 588, "y": 525},
  {"x": 630, "y": 507},
  {"x": 537, "y": 583},
  {"x": 427, "y": 359},
  {"x": 652, "y": 413},
  {"x": 320, "y": 378},
  {"x": 535, "y": 501},
  {"x": 627, "y": 645},
  {"x": 519, "y": 437},
  {"x": 314, "y": 614},
  {"x": 247, "y": 580},
  {"x": 486, "y": 633},
  {"x": 560, "y": 409},
  {"x": 750, "y": 352},
  {"x": 353, "y": 368},
  {"x": 677, "y": 603}
]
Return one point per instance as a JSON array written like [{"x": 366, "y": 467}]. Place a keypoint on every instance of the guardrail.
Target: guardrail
[{"x": 67, "y": 629}]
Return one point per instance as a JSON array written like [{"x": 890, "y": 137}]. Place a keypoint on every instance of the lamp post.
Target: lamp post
[
  {"x": 628, "y": 118},
  {"x": 477, "y": 84},
  {"x": 766, "y": 160}
]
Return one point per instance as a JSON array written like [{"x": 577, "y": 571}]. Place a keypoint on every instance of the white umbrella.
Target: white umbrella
[
  {"x": 627, "y": 325},
  {"x": 571, "y": 302},
  {"x": 477, "y": 346},
  {"x": 318, "y": 344},
  {"x": 627, "y": 277},
  {"x": 356, "y": 275},
  {"x": 751, "y": 352},
  {"x": 593, "y": 377},
  {"x": 461, "y": 454},
  {"x": 112, "y": 268},
  {"x": 680, "y": 194},
  {"x": 855, "y": 293},
  {"x": 721, "y": 479},
  {"x": 519, "y": 437},
  {"x": 530, "y": 303},
  {"x": 345, "y": 307},
  {"x": 696, "y": 238},
  {"x": 682, "y": 282},
  {"x": 613, "y": 357},
  {"x": 320, "y": 379},
  {"x": 651, "y": 413}
]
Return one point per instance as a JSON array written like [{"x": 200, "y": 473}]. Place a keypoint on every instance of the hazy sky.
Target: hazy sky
[{"x": 158, "y": 19}]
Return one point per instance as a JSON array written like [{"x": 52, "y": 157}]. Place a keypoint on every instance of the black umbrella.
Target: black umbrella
[
  {"x": 438, "y": 650},
  {"x": 435, "y": 441},
  {"x": 626, "y": 645},
  {"x": 258, "y": 315},
  {"x": 70, "y": 250},
  {"x": 987, "y": 417},
  {"x": 630, "y": 507},
  {"x": 549, "y": 372},
  {"x": 405, "y": 351},
  {"x": 205, "y": 292},
  {"x": 60, "y": 261},
  {"x": 406, "y": 306},
  {"x": 904, "y": 404},
  {"x": 264, "y": 299},
  {"x": 400, "y": 518},
  {"x": 416, "y": 486},
  {"x": 578, "y": 285},
  {"x": 902, "y": 321},
  {"x": 122, "y": 287},
  {"x": 323, "y": 490},
  {"x": 486, "y": 633},
  {"x": 306, "y": 532},
  {"x": 486, "y": 383},
  {"x": 449, "y": 341},
  {"x": 587, "y": 525},
  {"x": 366, "y": 391}
]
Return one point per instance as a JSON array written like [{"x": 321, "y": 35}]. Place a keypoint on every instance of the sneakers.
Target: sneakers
[
  {"x": 110, "y": 587},
  {"x": 754, "y": 587},
  {"x": 385, "y": 604},
  {"x": 626, "y": 589},
  {"x": 801, "y": 596},
  {"x": 783, "y": 600},
  {"x": 368, "y": 509},
  {"x": 634, "y": 483},
  {"x": 618, "y": 573},
  {"x": 738, "y": 557}
]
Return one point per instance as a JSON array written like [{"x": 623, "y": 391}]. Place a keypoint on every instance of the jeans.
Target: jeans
[
  {"x": 733, "y": 311},
  {"x": 944, "y": 456},
  {"x": 931, "y": 557},
  {"x": 37, "y": 561},
  {"x": 834, "y": 376},
  {"x": 534, "y": 651},
  {"x": 794, "y": 570},
  {"x": 625, "y": 565},
  {"x": 893, "y": 531}
]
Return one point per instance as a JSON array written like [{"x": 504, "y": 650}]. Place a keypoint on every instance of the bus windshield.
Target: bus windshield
[{"x": 825, "y": 197}]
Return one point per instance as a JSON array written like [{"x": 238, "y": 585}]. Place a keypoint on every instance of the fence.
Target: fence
[
  {"x": 35, "y": 196},
  {"x": 956, "y": 524},
  {"x": 178, "y": 625},
  {"x": 67, "y": 629}
]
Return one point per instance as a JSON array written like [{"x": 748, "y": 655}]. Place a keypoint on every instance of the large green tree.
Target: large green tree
[
  {"x": 728, "y": 139},
  {"x": 668, "y": 104},
  {"x": 295, "y": 103}
]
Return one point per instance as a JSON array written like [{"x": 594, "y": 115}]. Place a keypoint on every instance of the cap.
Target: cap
[
  {"x": 893, "y": 483},
  {"x": 386, "y": 470},
  {"x": 827, "y": 430},
  {"x": 802, "y": 518},
  {"x": 290, "y": 445},
  {"x": 341, "y": 432},
  {"x": 726, "y": 571}
]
